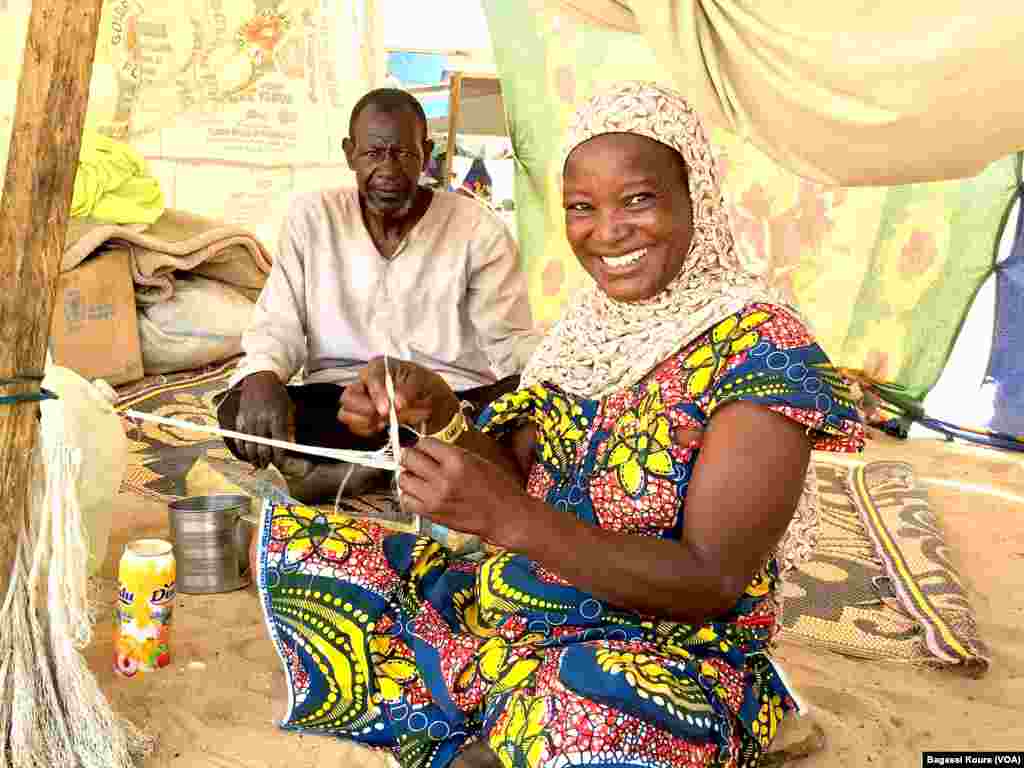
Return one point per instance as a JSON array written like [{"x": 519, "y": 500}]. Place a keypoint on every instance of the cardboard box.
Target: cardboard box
[{"x": 94, "y": 330}]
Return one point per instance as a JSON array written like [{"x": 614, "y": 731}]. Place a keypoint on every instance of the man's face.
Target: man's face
[{"x": 388, "y": 151}]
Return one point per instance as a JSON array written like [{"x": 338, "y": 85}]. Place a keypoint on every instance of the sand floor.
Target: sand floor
[{"x": 215, "y": 704}]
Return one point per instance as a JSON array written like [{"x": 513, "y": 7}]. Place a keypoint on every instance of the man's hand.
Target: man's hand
[
  {"x": 264, "y": 410},
  {"x": 421, "y": 398}
]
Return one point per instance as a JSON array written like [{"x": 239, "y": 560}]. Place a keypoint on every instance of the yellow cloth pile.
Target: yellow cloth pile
[{"x": 114, "y": 185}]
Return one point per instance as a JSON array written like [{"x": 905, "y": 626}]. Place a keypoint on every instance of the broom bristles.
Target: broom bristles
[{"x": 53, "y": 713}]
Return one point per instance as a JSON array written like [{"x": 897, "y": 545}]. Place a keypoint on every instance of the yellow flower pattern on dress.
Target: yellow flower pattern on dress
[
  {"x": 652, "y": 680},
  {"x": 560, "y": 429},
  {"x": 641, "y": 444},
  {"x": 497, "y": 598},
  {"x": 393, "y": 669},
  {"x": 768, "y": 718},
  {"x": 467, "y": 608},
  {"x": 731, "y": 336},
  {"x": 501, "y": 665},
  {"x": 510, "y": 407},
  {"x": 561, "y": 424},
  {"x": 519, "y": 740},
  {"x": 307, "y": 532},
  {"x": 428, "y": 556},
  {"x": 759, "y": 586}
]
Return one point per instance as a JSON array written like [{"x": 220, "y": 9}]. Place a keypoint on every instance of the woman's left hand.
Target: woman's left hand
[{"x": 462, "y": 491}]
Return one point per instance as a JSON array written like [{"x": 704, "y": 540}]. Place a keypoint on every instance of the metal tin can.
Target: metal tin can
[
  {"x": 208, "y": 534},
  {"x": 145, "y": 604}
]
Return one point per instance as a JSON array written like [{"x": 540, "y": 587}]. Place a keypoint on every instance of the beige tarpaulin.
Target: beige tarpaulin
[{"x": 850, "y": 93}]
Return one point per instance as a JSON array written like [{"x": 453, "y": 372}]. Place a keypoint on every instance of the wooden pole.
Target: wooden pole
[
  {"x": 454, "y": 107},
  {"x": 52, "y": 96}
]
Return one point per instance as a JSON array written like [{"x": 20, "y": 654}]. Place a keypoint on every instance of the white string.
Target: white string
[
  {"x": 341, "y": 488},
  {"x": 387, "y": 458},
  {"x": 396, "y": 448},
  {"x": 381, "y": 459}
]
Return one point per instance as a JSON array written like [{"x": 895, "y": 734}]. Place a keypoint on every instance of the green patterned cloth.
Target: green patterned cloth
[{"x": 885, "y": 275}]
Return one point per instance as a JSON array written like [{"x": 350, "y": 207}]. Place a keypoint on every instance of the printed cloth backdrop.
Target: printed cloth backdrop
[
  {"x": 885, "y": 274},
  {"x": 235, "y": 104},
  {"x": 238, "y": 104}
]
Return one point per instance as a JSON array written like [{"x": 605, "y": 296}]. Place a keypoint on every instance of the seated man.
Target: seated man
[{"x": 388, "y": 267}]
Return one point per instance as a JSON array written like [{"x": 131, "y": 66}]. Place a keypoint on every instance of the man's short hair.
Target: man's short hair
[{"x": 389, "y": 100}]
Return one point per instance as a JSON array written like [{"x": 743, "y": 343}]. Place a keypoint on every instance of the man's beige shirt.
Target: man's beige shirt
[{"x": 453, "y": 298}]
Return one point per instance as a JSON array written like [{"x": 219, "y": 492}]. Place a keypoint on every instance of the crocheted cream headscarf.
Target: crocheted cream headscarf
[{"x": 602, "y": 345}]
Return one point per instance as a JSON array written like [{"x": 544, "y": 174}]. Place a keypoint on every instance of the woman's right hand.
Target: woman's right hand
[{"x": 421, "y": 398}]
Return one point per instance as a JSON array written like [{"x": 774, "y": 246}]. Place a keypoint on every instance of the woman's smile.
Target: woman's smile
[{"x": 625, "y": 262}]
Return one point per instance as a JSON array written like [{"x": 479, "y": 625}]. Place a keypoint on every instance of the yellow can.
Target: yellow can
[{"x": 145, "y": 603}]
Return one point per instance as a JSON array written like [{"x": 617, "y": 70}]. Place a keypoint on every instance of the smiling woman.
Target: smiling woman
[{"x": 638, "y": 489}]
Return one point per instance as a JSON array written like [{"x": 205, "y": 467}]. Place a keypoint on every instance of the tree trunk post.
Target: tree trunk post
[{"x": 53, "y": 92}]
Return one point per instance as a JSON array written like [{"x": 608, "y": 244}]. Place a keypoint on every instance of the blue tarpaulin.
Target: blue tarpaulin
[
  {"x": 412, "y": 69},
  {"x": 1006, "y": 364}
]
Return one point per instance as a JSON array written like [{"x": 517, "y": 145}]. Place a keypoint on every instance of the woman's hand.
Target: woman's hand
[
  {"x": 465, "y": 492},
  {"x": 421, "y": 398}
]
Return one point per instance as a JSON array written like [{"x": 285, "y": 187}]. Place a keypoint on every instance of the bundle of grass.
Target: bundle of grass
[{"x": 51, "y": 706}]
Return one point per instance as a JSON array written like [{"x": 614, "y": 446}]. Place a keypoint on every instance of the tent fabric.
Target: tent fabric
[
  {"x": 885, "y": 274},
  {"x": 606, "y": 13},
  {"x": 1006, "y": 364},
  {"x": 856, "y": 93}
]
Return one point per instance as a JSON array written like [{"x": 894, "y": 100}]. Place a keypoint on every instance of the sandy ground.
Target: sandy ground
[{"x": 215, "y": 704}]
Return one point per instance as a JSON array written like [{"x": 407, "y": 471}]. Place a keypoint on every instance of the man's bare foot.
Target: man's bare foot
[
  {"x": 320, "y": 484},
  {"x": 476, "y": 755}
]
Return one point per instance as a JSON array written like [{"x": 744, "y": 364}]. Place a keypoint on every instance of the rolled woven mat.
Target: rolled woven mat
[{"x": 881, "y": 584}]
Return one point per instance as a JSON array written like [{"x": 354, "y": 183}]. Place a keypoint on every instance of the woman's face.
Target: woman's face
[{"x": 628, "y": 215}]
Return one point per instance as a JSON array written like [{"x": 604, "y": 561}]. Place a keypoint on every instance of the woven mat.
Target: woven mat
[
  {"x": 160, "y": 457},
  {"x": 879, "y": 586}
]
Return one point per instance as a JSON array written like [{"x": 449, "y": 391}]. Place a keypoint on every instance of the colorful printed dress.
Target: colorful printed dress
[{"x": 393, "y": 641}]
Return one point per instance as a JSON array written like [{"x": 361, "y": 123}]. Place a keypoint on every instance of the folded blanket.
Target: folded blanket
[
  {"x": 113, "y": 184},
  {"x": 177, "y": 241}
]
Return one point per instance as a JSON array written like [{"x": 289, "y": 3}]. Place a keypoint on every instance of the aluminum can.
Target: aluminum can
[{"x": 145, "y": 604}]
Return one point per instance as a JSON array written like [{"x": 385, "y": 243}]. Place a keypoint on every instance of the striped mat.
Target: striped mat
[{"x": 882, "y": 584}]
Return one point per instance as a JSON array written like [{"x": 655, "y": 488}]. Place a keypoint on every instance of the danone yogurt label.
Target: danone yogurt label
[{"x": 145, "y": 605}]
